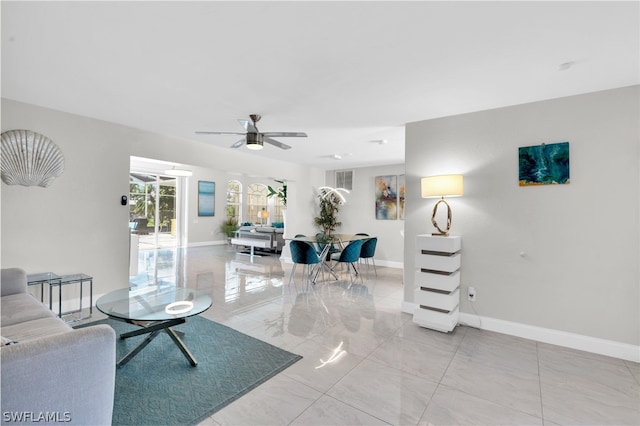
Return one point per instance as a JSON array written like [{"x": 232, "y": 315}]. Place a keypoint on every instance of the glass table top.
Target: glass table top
[
  {"x": 42, "y": 277},
  {"x": 153, "y": 304},
  {"x": 333, "y": 238}
]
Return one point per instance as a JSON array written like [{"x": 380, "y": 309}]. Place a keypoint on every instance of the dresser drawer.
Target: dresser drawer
[
  {"x": 439, "y": 281},
  {"x": 438, "y": 301}
]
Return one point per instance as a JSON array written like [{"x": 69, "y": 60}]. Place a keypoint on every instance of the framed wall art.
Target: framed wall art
[
  {"x": 546, "y": 164},
  {"x": 386, "y": 196},
  {"x": 206, "y": 198},
  {"x": 401, "y": 186}
]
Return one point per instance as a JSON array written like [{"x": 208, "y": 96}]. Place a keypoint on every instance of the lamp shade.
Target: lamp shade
[
  {"x": 442, "y": 186},
  {"x": 263, "y": 214}
]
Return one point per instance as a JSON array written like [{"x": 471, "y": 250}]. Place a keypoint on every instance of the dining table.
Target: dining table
[{"x": 327, "y": 241}]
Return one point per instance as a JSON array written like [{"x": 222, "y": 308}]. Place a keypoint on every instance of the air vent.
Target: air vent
[{"x": 344, "y": 179}]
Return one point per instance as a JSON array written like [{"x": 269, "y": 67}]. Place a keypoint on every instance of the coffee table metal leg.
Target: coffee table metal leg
[
  {"x": 153, "y": 331},
  {"x": 181, "y": 345},
  {"x": 155, "y": 327},
  {"x": 137, "y": 349}
]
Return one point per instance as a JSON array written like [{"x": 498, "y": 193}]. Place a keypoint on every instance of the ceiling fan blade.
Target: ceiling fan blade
[
  {"x": 248, "y": 126},
  {"x": 275, "y": 142},
  {"x": 285, "y": 134},
  {"x": 218, "y": 133},
  {"x": 239, "y": 143}
]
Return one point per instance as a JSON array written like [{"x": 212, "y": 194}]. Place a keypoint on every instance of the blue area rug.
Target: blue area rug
[{"x": 159, "y": 386}]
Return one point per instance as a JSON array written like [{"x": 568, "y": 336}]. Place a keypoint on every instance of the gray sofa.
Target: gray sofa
[
  {"x": 51, "y": 373},
  {"x": 274, "y": 236}
]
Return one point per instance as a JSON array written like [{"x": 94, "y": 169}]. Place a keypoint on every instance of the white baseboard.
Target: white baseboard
[
  {"x": 546, "y": 335},
  {"x": 555, "y": 337},
  {"x": 208, "y": 243},
  {"x": 390, "y": 264}
]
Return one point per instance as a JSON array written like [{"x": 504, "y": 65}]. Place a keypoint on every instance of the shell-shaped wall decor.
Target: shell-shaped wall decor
[{"x": 29, "y": 159}]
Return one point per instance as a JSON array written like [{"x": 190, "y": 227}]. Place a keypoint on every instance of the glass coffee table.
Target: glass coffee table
[{"x": 154, "y": 310}]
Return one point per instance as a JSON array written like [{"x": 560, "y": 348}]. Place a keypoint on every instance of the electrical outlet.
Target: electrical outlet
[{"x": 471, "y": 294}]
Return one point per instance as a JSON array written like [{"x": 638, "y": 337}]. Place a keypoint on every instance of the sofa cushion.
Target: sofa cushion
[
  {"x": 35, "y": 329},
  {"x": 14, "y": 280},
  {"x": 21, "y": 307}
]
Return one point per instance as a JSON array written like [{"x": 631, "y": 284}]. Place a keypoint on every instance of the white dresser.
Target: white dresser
[{"x": 437, "y": 280}]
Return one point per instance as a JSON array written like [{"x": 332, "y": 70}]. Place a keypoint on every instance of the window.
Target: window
[
  {"x": 234, "y": 199},
  {"x": 143, "y": 192},
  {"x": 257, "y": 201},
  {"x": 344, "y": 179},
  {"x": 278, "y": 207}
]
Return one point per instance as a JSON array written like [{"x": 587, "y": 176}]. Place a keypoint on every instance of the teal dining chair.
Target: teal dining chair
[
  {"x": 349, "y": 256},
  {"x": 368, "y": 251},
  {"x": 303, "y": 253}
]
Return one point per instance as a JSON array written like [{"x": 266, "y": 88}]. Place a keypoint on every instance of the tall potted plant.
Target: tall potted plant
[{"x": 329, "y": 201}]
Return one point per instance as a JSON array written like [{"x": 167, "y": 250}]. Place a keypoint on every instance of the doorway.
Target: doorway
[
  {"x": 152, "y": 210},
  {"x": 157, "y": 223}
]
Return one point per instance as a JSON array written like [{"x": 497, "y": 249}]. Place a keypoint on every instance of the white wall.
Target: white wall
[
  {"x": 579, "y": 273},
  {"x": 358, "y": 214},
  {"x": 78, "y": 224}
]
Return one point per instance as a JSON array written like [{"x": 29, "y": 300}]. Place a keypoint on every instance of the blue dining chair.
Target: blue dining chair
[
  {"x": 350, "y": 255},
  {"x": 303, "y": 253},
  {"x": 367, "y": 252}
]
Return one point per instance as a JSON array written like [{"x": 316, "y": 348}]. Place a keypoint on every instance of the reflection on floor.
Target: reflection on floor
[
  {"x": 164, "y": 240},
  {"x": 365, "y": 362}
]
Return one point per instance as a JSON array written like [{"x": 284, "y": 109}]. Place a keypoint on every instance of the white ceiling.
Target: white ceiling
[{"x": 346, "y": 73}]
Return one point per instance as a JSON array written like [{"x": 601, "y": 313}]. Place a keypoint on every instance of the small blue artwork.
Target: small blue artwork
[
  {"x": 206, "y": 198},
  {"x": 546, "y": 164}
]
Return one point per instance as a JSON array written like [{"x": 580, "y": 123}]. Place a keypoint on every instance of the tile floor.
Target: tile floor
[{"x": 365, "y": 362}]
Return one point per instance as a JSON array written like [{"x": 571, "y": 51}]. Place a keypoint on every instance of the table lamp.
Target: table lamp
[
  {"x": 439, "y": 187},
  {"x": 263, "y": 215}
]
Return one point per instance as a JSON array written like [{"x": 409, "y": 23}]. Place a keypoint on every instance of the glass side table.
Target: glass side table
[
  {"x": 41, "y": 279},
  {"x": 67, "y": 280}
]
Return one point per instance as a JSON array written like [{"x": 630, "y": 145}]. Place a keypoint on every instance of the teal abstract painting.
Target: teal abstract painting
[
  {"x": 546, "y": 164},
  {"x": 206, "y": 198}
]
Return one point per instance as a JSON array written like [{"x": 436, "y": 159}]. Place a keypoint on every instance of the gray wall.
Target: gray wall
[
  {"x": 78, "y": 224},
  {"x": 358, "y": 214},
  {"x": 578, "y": 271}
]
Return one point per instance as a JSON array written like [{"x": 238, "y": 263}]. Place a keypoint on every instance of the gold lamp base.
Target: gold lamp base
[{"x": 441, "y": 233}]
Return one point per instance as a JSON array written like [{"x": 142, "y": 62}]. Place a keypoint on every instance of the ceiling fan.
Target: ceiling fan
[{"x": 253, "y": 138}]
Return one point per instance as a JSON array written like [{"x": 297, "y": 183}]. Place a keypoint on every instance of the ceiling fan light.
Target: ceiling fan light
[{"x": 254, "y": 141}]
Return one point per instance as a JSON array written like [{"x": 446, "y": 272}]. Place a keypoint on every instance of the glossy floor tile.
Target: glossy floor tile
[{"x": 365, "y": 362}]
